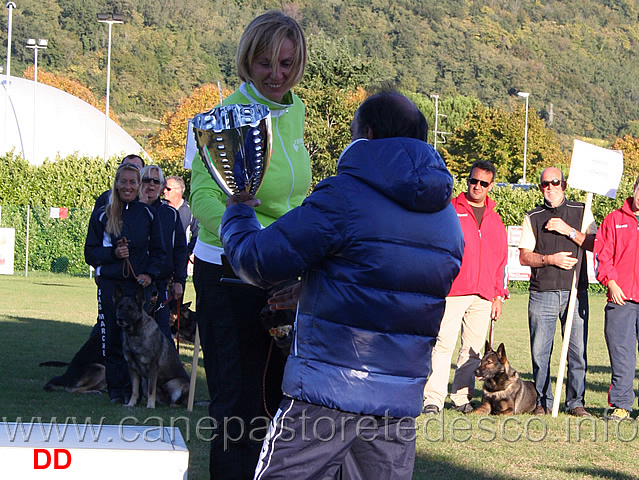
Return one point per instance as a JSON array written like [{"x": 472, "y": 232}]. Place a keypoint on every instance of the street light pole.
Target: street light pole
[
  {"x": 525, "y": 95},
  {"x": 10, "y": 6},
  {"x": 110, "y": 19},
  {"x": 437, "y": 115},
  {"x": 40, "y": 45},
  {"x": 436, "y": 97}
]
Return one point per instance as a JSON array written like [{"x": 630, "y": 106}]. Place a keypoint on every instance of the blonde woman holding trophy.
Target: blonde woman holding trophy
[{"x": 243, "y": 373}]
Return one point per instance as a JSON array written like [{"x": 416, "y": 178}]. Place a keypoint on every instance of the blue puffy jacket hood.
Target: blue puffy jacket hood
[{"x": 406, "y": 170}]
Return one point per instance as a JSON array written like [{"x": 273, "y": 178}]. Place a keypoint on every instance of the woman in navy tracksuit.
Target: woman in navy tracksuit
[
  {"x": 173, "y": 270},
  {"x": 124, "y": 244}
]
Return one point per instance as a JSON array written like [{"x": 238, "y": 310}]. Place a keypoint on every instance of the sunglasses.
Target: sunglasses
[
  {"x": 155, "y": 181},
  {"x": 546, "y": 183},
  {"x": 475, "y": 181}
]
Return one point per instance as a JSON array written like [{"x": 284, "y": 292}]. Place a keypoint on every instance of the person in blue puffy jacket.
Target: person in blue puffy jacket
[{"x": 377, "y": 247}]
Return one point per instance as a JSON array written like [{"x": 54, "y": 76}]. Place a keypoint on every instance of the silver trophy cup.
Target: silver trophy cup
[{"x": 235, "y": 143}]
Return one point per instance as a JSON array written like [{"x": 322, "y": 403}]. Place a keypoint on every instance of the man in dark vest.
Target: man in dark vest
[{"x": 553, "y": 245}]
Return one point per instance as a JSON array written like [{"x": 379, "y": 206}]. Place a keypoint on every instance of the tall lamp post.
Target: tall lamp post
[
  {"x": 525, "y": 95},
  {"x": 41, "y": 44},
  {"x": 436, "y": 97},
  {"x": 10, "y": 6},
  {"x": 110, "y": 19}
]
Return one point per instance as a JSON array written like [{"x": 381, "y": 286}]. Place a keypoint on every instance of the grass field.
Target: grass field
[{"x": 48, "y": 317}]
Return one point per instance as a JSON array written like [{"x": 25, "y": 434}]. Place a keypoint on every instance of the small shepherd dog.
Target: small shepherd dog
[
  {"x": 152, "y": 359},
  {"x": 85, "y": 373},
  {"x": 504, "y": 392}
]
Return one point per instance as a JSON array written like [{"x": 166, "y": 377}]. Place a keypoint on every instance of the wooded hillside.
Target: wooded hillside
[{"x": 577, "y": 58}]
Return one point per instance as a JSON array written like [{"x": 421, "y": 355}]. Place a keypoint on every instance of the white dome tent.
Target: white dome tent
[{"x": 64, "y": 124}]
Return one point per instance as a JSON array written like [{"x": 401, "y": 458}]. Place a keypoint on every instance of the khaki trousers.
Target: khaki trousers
[{"x": 471, "y": 314}]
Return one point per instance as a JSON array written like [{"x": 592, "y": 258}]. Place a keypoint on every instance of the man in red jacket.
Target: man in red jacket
[
  {"x": 476, "y": 295},
  {"x": 616, "y": 248}
]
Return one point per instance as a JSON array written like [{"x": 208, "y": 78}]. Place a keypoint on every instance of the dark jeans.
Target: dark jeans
[
  {"x": 621, "y": 331},
  {"x": 235, "y": 347},
  {"x": 543, "y": 310}
]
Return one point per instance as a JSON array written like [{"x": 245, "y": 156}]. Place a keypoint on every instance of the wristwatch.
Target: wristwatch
[{"x": 573, "y": 234}]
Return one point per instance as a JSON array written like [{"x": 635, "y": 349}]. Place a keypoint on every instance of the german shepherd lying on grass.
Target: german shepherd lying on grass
[
  {"x": 85, "y": 373},
  {"x": 188, "y": 321},
  {"x": 152, "y": 359},
  {"x": 504, "y": 392}
]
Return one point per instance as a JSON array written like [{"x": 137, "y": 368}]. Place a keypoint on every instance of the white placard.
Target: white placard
[
  {"x": 595, "y": 169},
  {"x": 7, "y": 250}
]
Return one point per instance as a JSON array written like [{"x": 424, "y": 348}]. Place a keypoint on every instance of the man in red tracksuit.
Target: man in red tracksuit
[
  {"x": 476, "y": 295},
  {"x": 616, "y": 249}
]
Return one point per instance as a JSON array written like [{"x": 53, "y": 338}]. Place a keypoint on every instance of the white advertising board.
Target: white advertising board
[
  {"x": 7, "y": 250},
  {"x": 515, "y": 269},
  {"x": 514, "y": 235}
]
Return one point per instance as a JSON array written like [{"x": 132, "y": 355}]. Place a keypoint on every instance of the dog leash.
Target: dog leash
[
  {"x": 164, "y": 303},
  {"x": 491, "y": 333},
  {"x": 127, "y": 268},
  {"x": 268, "y": 360},
  {"x": 178, "y": 325}
]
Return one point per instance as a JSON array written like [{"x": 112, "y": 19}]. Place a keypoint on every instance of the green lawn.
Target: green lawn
[{"x": 48, "y": 317}]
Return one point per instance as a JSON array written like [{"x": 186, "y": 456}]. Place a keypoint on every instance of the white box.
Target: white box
[{"x": 85, "y": 451}]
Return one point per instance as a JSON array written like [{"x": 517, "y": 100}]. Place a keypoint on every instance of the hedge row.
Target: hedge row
[{"x": 75, "y": 182}]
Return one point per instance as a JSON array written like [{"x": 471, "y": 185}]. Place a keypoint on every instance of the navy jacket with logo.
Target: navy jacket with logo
[{"x": 141, "y": 227}]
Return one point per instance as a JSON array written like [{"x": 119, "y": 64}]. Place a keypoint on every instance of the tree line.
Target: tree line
[{"x": 577, "y": 58}]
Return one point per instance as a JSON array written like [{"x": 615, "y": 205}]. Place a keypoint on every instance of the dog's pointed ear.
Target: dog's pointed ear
[
  {"x": 139, "y": 295},
  {"x": 186, "y": 305},
  {"x": 117, "y": 293},
  {"x": 487, "y": 348},
  {"x": 501, "y": 352}
]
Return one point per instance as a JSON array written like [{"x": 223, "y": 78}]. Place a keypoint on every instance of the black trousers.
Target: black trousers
[
  {"x": 235, "y": 348},
  {"x": 311, "y": 442},
  {"x": 117, "y": 371}
]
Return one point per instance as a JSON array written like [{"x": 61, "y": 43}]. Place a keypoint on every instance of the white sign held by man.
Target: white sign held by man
[{"x": 595, "y": 169}]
